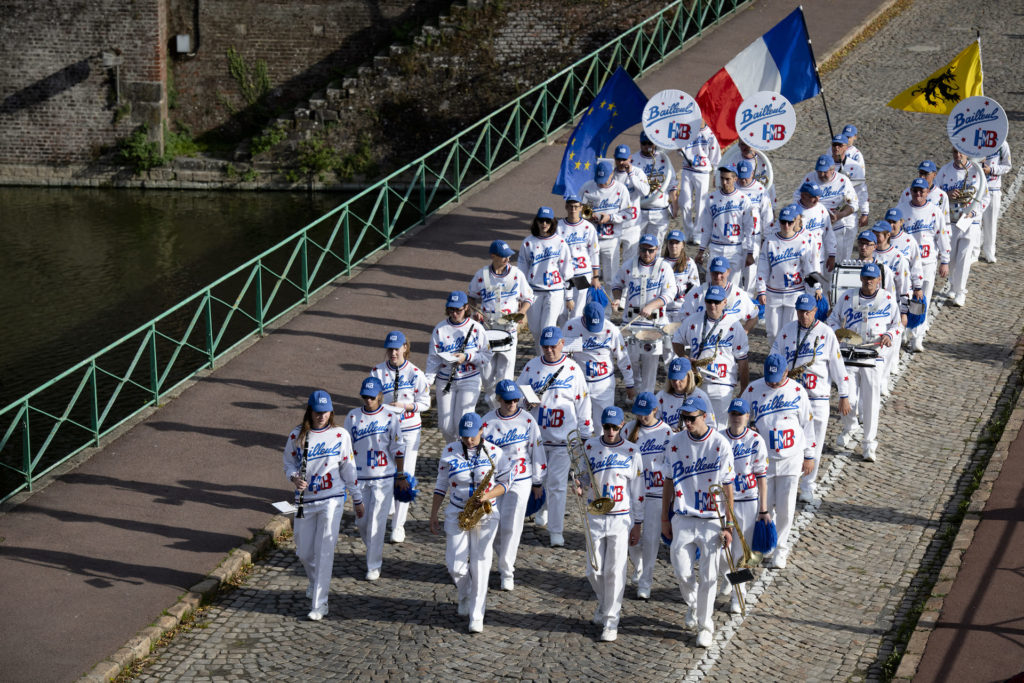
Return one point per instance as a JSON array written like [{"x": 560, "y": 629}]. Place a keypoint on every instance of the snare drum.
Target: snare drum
[
  {"x": 499, "y": 340},
  {"x": 858, "y": 356}
]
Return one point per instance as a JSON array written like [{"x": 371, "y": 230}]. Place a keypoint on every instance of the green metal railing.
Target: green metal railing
[{"x": 76, "y": 409}]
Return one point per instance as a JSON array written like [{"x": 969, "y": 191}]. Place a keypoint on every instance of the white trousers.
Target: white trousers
[
  {"x": 720, "y": 396},
  {"x": 845, "y": 239},
  {"x": 629, "y": 237},
  {"x": 544, "y": 312},
  {"x": 655, "y": 222},
  {"x": 316, "y": 534},
  {"x": 502, "y": 366},
  {"x": 608, "y": 255},
  {"x": 927, "y": 287},
  {"x": 781, "y": 494},
  {"x": 411, "y": 443},
  {"x": 468, "y": 555},
  {"x": 778, "y": 311},
  {"x": 602, "y": 395},
  {"x": 990, "y": 223},
  {"x": 865, "y": 401},
  {"x": 820, "y": 411},
  {"x": 378, "y": 494},
  {"x": 688, "y": 535},
  {"x": 610, "y": 534},
  {"x": 645, "y": 364},
  {"x": 459, "y": 400},
  {"x": 555, "y": 485},
  {"x": 736, "y": 255},
  {"x": 512, "y": 506},
  {"x": 693, "y": 189},
  {"x": 745, "y": 514},
  {"x": 960, "y": 259},
  {"x": 644, "y": 554}
]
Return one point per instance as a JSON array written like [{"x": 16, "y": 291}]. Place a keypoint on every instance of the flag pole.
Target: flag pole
[
  {"x": 981, "y": 63},
  {"x": 821, "y": 89}
]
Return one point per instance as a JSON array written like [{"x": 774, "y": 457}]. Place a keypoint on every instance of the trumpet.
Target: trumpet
[
  {"x": 575, "y": 446},
  {"x": 587, "y": 212},
  {"x": 738, "y": 574}
]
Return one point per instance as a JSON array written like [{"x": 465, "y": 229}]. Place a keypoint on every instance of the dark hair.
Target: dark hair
[
  {"x": 307, "y": 423},
  {"x": 680, "y": 264},
  {"x": 535, "y": 227}
]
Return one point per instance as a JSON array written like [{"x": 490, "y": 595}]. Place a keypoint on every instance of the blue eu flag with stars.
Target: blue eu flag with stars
[{"x": 619, "y": 106}]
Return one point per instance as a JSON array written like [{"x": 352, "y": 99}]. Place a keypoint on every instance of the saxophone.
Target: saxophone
[
  {"x": 797, "y": 372},
  {"x": 475, "y": 508}
]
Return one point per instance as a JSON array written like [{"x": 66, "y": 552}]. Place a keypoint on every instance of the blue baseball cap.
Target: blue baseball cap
[
  {"x": 919, "y": 184},
  {"x": 394, "y": 340},
  {"x": 644, "y": 140},
  {"x": 675, "y": 236},
  {"x": 546, "y": 212},
  {"x": 824, "y": 163},
  {"x": 728, "y": 168},
  {"x": 679, "y": 368},
  {"x": 320, "y": 401},
  {"x": 745, "y": 168},
  {"x": 928, "y": 166},
  {"x": 840, "y": 140},
  {"x": 593, "y": 317},
  {"x": 508, "y": 390},
  {"x": 469, "y": 424},
  {"x": 868, "y": 236},
  {"x": 893, "y": 215},
  {"x": 806, "y": 302},
  {"x": 501, "y": 248},
  {"x": 644, "y": 403},
  {"x": 572, "y": 197},
  {"x": 456, "y": 299},
  {"x": 813, "y": 189},
  {"x": 774, "y": 368},
  {"x": 715, "y": 293},
  {"x": 612, "y": 415},
  {"x": 602, "y": 171},
  {"x": 719, "y": 264},
  {"x": 849, "y": 130},
  {"x": 622, "y": 152},
  {"x": 694, "y": 404},
  {"x": 550, "y": 336},
  {"x": 739, "y": 405},
  {"x": 649, "y": 240},
  {"x": 790, "y": 212},
  {"x": 870, "y": 270},
  {"x": 371, "y": 387},
  {"x": 883, "y": 226}
]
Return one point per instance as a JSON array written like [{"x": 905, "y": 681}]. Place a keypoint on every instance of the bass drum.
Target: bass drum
[{"x": 499, "y": 340}]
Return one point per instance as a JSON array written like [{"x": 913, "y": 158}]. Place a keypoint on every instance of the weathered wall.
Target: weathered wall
[{"x": 58, "y": 103}]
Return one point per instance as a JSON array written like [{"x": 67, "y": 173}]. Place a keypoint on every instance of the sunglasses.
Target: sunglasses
[
  {"x": 689, "y": 418},
  {"x": 613, "y": 428}
]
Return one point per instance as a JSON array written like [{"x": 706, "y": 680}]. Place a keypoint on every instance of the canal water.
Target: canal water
[{"x": 81, "y": 268}]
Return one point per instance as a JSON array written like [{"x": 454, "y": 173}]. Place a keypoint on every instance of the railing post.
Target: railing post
[
  {"x": 458, "y": 173},
  {"x": 347, "y": 244},
  {"x": 519, "y": 136},
  {"x": 304, "y": 264},
  {"x": 154, "y": 373},
  {"x": 26, "y": 447},
  {"x": 387, "y": 216},
  {"x": 94, "y": 413},
  {"x": 422, "y": 173},
  {"x": 259, "y": 295},
  {"x": 208, "y": 306},
  {"x": 487, "y": 146},
  {"x": 544, "y": 111}
]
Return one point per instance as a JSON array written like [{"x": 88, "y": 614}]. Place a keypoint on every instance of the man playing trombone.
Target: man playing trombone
[{"x": 612, "y": 469}]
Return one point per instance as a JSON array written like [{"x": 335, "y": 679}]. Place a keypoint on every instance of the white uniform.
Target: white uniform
[
  {"x": 963, "y": 240},
  {"x": 635, "y": 182},
  {"x": 701, "y": 156},
  {"x": 837, "y": 194},
  {"x": 600, "y": 354},
  {"x": 762, "y": 168},
  {"x": 750, "y": 461},
  {"x": 468, "y": 554},
  {"x": 670, "y": 408},
  {"x": 854, "y": 168},
  {"x": 547, "y": 264},
  {"x": 784, "y": 419},
  {"x": 936, "y": 195},
  {"x": 651, "y": 442},
  {"x": 376, "y": 444},
  {"x": 518, "y": 437},
  {"x": 618, "y": 474},
  {"x": 686, "y": 280},
  {"x": 999, "y": 165},
  {"x": 691, "y": 466},
  {"x": 640, "y": 284},
  {"x": 926, "y": 225},
  {"x": 564, "y": 407},
  {"x": 583, "y": 248},
  {"x": 737, "y": 303},
  {"x": 613, "y": 201},
  {"x": 329, "y": 472},
  {"x": 818, "y": 346},
  {"x": 782, "y": 270},
  {"x": 654, "y": 211},
  {"x": 870, "y": 317},
  {"x": 465, "y": 387},
  {"x": 725, "y": 341},
  {"x": 500, "y": 294},
  {"x": 764, "y": 214},
  {"x": 728, "y": 228},
  {"x": 816, "y": 222},
  {"x": 412, "y": 388}
]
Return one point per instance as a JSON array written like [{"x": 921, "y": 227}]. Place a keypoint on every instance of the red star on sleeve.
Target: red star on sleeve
[
  {"x": 586, "y": 423},
  {"x": 544, "y": 466},
  {"x": 338, "y": 435},
  {"x": 679, "y": 494},
  {"x": 674, "y": 449},
  {"x": 577, "y": 397}
]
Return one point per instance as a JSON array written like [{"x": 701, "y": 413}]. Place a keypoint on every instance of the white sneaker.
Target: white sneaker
[
  {"x": 608, "y": 635},
  {"x": 779, "y": 559},
  {"x": 397, "y": 535},
  {"x": 318, "y": 613},
  {"x": 476, "y": 626},
  {"x": 690, "y": 620},
  {"x": 805, "y": 495},
  {"x": 845, "y": 439},
  {"x": 634, "y": 577},
  {"x": 643, "y": 593},
  {"x": 726, "y": 588},
  {"x": 869, "y": 454},
  {"x": 734, "y": 606},
  {"x": 918, "y": 344},
  {"x": 373, "y": 575},
  {"x": 885, "y": 389},
  {"x": 557, "y": 541},
  {"x": 507, "y": 583},
  {"x": 960, "y": 300},
  {"x": 704, "y": 638},
  {"x": 541, "y": 518},
  {"x": 463, "y": 610}
]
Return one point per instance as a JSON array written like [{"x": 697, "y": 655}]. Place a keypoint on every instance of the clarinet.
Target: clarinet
[
  {"x": 302, "y": 473},
  {"x": 462, "y": 347}
]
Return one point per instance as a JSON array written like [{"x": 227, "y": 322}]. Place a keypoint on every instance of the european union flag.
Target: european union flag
[{"x": 618, "y": 106}]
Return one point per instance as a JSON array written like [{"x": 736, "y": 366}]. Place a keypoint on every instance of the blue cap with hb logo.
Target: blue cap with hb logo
[
  {"x": 745, "y": 168},
  {"x": 840, "y": 140},
  {"x": 824, "y": 163},
  {"x": 320, "y": 401},
  {"x": 622, "y": 152},
  {"x": 648, "y": 240},
  {"x": 550, "y": 336},
  {"x": 715, "y": 293},
  {"x": 870, "y": 270},
  {"x": 456, "y": 299},
  {"x": 679, "y": 368},
  {"x": 675, "y": 236},
  {"x": 546, "y": 212},
  {"x": 593, "y": 317},
  {"x": 469, "y": 424},
  {"x": 849, "y": 130},
  {"x": 774, "y": 368},
  {"x": 813, "y": 189},
  {"x": 739, "y": 405},
  {"x": 919, "y": 184},
  {"x": 694, "y": 404},
  {"x": 790, "y": 212},
  {"x": 719, "y": 264},
  {"x": 508, "y": 390},
  {"x": 501, "y": 248},
  {"x": 868, "y": 236},
  {"x": 371, "y": 387},
  {"x": 928, "y": 166},
  {"x": 644, "y": 403},
  {"x": 612, "y": 415},
  {"x": 602, "y": 172},
  {"x": 394, "y": 340},
  {"x": 806, "y": 302},
  {"x": 893, "y": 215},
  {"x": 882, "y": 226}
]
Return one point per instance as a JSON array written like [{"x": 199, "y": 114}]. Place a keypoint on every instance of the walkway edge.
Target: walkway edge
[{"x": 965, "y": 536}]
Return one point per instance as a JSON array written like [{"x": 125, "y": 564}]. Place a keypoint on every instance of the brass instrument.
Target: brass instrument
[
  {"x": 598, "y": 506},
  {"x": 845, "y": 334},
  {"x": 738, "y": 574},
  {"x": 475, "y": 509},
  {"x": 513, "y": 318},
  {"x": 574, "y": 444},
  {"x": 700, "y": 366},
  {"x": 655, "y": 180},
  {"x": 587, "y": 212},
  {"x": 797, "y": 372}
]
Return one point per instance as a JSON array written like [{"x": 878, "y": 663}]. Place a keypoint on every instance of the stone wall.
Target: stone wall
[{"x": 60, "y": 101}]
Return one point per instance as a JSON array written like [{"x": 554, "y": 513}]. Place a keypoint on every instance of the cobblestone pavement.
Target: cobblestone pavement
[{"x": 831, "y": 614}]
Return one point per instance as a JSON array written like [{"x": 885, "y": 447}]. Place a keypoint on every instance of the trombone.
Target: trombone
[
  {"x": 738, "y": 574},
  {"x": 574, "y": 443}
]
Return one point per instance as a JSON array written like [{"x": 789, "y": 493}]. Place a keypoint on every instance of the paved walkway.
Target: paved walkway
[{"x": 96, "y": 556}]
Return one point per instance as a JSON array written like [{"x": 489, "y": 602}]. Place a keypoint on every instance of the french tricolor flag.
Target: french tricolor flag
[{"x": 780, "y": 60}]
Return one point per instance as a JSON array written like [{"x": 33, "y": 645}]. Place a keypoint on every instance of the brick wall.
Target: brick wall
[{"x": 58, "y": 103}]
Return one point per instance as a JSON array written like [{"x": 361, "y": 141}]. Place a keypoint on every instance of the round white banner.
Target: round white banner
[
  {"x": 766, "y": 120},
  {"x": 672, "y": 118},
  {"x": 977, "y": 126}
]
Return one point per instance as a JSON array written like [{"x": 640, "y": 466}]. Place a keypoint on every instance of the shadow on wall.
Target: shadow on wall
[{"x": 45, "y": 88}]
